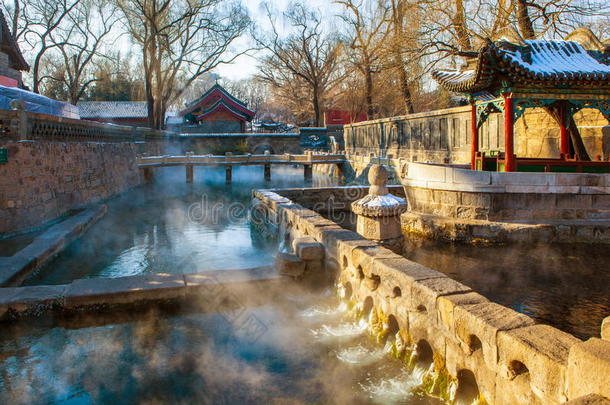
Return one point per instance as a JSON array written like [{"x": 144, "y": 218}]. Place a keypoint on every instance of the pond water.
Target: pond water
[
  {"x": 566, "y": 286},
  {"x": 173, "y": 227},
  {"x": 309, "y": 350}
]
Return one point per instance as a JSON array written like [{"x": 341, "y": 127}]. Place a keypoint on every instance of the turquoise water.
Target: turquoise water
[
  {"x": 173, "y": 227},
  {"x": 309, "y": 352}
]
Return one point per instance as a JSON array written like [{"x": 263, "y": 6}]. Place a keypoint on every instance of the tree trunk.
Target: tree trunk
[
  {"x": 405, "y": 89},
  {"x": 524, "y": 21},
  {"x": 316, "y": 107},
  {"x": 461, "y": 30},
  {"x": 368, "y": 78}
]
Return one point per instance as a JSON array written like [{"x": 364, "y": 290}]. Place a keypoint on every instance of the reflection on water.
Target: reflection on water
[
  {"x": 566, "y": 286},
  {"x": 173, "y": 227},
  {"x": 159, "y": 358}
]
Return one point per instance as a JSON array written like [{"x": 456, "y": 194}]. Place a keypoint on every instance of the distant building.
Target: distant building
[
  {"x": 342, "y": 117},
  {"x": 216, "y": 111},
  {"x": 133, "y": 113},
  {"x": 12, "y": 62}
]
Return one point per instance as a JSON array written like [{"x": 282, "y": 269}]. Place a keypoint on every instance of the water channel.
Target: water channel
[{"x": 311, "y": 350}]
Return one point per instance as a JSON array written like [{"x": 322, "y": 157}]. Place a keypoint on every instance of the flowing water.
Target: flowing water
[{"x": 185, "y": 358}]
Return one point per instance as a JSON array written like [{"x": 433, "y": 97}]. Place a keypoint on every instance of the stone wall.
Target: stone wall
[
  {"x": 219, "y": 144},
  {"x": 498, "y": 196},
  {"x": 44, "y": 180},
  {"x": 443, "y": 136},
  {"x": 58, "y": 164},
  {"x": 472, "y": 349}
]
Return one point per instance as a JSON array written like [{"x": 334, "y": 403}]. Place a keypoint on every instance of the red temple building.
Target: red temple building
[
  {"x": 509, "y": 75},
  {"x": 12, "y": 62},
  {"x": 216, "y": 111}
]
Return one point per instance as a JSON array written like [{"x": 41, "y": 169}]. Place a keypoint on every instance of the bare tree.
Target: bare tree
[
  {"x": 366, "y": 42},
  {"x": 181, "y": 40},
  {"x": 304, "y": 66},
  {"x": 34, "y": 23},
  {"x": 78, "y": 45}
]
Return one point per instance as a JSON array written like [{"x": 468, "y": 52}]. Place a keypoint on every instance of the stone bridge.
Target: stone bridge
[{"x": 189, "y": 161}]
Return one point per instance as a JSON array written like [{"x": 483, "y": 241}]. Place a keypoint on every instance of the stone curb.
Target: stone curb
[
  {"x": 14, "y": 269},
  {"x": 93, "y": 293}
]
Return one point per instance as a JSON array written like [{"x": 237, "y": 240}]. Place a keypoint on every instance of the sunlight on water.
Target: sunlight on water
[
  {"x": 360, "y": 355},
  {"x": 345, "y": 330},
  {"x": 391, "y": 390},
  {"x": 320, "y": 311}
]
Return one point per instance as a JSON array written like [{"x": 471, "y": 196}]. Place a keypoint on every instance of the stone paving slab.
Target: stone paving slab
[{"x": 124, "y": 290}]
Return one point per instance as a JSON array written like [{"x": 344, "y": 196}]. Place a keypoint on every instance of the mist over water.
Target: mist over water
[
  {"x": 186, "y": 358},
  {"x": 173, "y": 227},
  {"x": 565, "y": 286}
]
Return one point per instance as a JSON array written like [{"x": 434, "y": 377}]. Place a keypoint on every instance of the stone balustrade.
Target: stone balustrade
[
  {"x": 473, "y": 345},
  {"x": 22, "y": 125}
]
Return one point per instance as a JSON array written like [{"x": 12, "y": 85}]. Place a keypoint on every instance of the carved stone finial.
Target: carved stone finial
[
  {"x": 378, "y": 178},
  {"x": 378, "y": 213}
]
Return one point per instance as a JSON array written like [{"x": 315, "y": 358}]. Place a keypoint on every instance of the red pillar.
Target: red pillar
[
  {"x": 509, "y": 151},
  {"x": 474, "y": 142},
  {"x": 565, "y": 142}
]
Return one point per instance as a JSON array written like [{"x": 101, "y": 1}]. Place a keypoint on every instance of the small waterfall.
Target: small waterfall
[
  {"x": 347, "y": 330},
  {"x": 360, "y": 355},
  {"x": 320, "y": 311},
  {"x": 391, "y": 390}
]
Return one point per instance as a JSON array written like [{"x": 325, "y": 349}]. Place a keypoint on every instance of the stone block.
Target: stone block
[
  {"x": 124, "y": 290},
  {"x": 520, "y": 179},
  {"x": 445, "y": 306},
  {"x": 590, "y": 399},
  {"x": 346, "y": 246},
  {"x": 605, "y": 329},
  {"x": 420, "y": 171},
  {"x": 308, "y": 248},
  {"x": 456, "y": 360},
  {"x": 424, "y": 294},
  {"x": 31, "y": 300},
  {"x": 379, "y": 228},
  {"x": 484, "y": 321},
  {"x": 314, "y": 266},
  {"x": 289, "y": 265},
  {"x": 471, "y": 176},
  {"x": 589, "y": 369},
  {"x": 331, "y": 237},
  {"x": 541, "y": 352},
  {"x": 600, "y": 201},
  {"x": 365, "y": 255}
]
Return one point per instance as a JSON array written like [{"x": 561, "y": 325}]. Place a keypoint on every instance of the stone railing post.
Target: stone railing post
[
  {"x": 22, "y": 123},
  {"x": 378, "y": 213}
]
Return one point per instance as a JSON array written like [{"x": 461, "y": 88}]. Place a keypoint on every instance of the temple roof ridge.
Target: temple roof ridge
[{"x": 577, "y": 61}]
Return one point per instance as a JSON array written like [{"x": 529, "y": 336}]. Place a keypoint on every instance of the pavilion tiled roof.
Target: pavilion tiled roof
[
  {"x": 221, "y": 105},
  {"x": 219, "y": 92},
  {"x": 534, "y": 63},
  {"x": 112, "y": 109}
]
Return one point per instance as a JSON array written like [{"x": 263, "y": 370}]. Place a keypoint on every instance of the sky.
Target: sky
[{"x": 246, "y": 66}]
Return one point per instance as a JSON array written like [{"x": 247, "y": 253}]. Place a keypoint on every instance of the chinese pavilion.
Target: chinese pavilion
[
  {"x": 217, "y": 111},
  {"x": 510, "y": 74}
]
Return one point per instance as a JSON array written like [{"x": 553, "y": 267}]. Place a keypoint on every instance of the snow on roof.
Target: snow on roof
[
  {"x": 112, "y": 109},
  {"x": 532, "y": 63}
]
